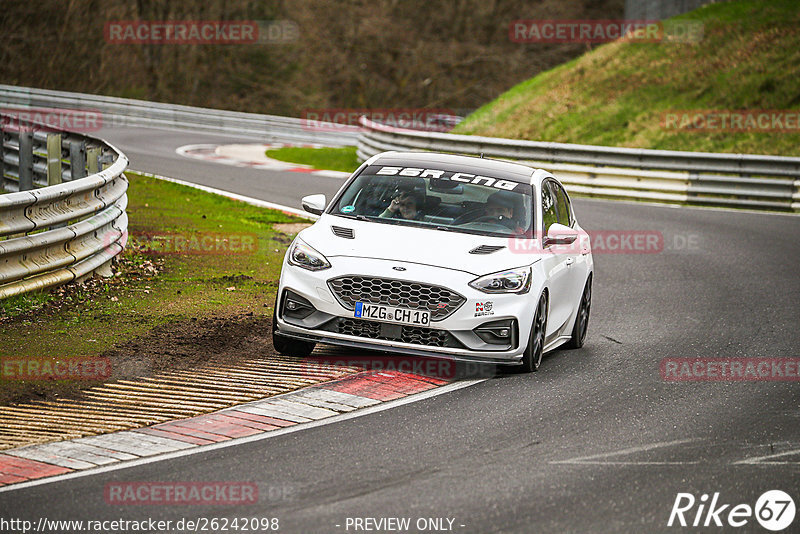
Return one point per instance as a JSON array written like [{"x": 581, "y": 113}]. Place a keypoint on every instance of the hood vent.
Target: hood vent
[
  {"x": 486, "y": 249},
  {"x": 346, "y": 233}
]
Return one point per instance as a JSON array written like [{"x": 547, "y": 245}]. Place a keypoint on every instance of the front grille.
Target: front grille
[
  {"x": 440, "y": 301},
  {"x": 409, "y": 334}
]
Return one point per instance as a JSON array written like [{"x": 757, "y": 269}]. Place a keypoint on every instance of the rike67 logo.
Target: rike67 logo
[{"x": 774, "y": 510}]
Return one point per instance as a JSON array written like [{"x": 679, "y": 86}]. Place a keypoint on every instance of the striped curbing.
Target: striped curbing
[
  {"x": 314, "y": 403},
  {"x": 253, "y": 156},
  {"x": 148, "y": 400}
]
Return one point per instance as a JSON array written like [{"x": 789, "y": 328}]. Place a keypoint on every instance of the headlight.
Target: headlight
[
  {"x": 303, "y": 255},
  {"x": 510, "y": 281}
]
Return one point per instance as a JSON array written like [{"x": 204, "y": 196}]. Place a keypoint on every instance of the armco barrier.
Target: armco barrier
[
  {"x": 740, "y": 180},
  {"x": 70, "y": 227},
  {"x": 128, "y": 112}
]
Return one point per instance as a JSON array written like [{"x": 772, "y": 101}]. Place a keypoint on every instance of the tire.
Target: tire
[
  {"x": 288, "y": 346},
  {"x": 578, "y": 337},
  {"x": 532, "y": 357}
]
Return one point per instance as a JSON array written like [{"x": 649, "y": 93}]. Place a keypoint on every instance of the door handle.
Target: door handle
[{"x": 570, "y": 261}]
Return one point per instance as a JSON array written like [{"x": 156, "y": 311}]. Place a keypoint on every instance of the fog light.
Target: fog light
[
  {"x": 295, "y": 306},
  {"x": 502, "y": 332}
]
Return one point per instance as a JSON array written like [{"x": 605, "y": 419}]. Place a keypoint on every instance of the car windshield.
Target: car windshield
[{"x": 439, "y": 198}]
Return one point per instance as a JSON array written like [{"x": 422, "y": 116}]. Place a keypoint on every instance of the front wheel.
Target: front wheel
[
  {"x": 582, "y": 320},
  {"x": 532, "y": 357}
]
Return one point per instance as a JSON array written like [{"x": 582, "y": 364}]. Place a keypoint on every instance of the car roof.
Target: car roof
[{"x": 505, "y": 169}]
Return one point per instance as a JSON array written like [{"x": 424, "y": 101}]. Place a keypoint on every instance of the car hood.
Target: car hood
[{"x": 426, "y": 246}]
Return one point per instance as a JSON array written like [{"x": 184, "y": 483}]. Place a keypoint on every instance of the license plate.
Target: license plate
[{"x": 378, "y": 312}]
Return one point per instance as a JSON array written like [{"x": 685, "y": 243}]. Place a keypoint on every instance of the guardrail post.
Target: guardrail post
[
  {"x": 106, "y": 160},
  {"x": 25, "y": 161},
  {"x": 53, "y": 159},
  {"x": 77, "y": 159},
  {"x": 93, "y": 159}
]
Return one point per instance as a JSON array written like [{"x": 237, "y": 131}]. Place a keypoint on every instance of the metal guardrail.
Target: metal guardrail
[
  {"x": 128, "y": 112},
  {"x": 740, "y": 180},
  {"x": 71, "y": 227}
]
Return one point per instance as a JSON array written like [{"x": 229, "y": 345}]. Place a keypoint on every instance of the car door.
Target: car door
[
  {"x": 577, "y": 260},
  {"x": 556, "y": 267}
]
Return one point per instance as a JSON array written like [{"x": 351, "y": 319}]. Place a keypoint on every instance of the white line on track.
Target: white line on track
[
  {"x": 598, "y": 459},
  {"x": 234, "y": 196},
  {"x": 258, "y": 437},
  {"x": 760, "y": 460}
]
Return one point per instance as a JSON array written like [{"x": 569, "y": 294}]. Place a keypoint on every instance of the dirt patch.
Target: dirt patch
[
  {"x": 290, "y": 228},
  {"x": 190, "y": 343},
  {"x": 177, "y": 370},
  {"x": 180, "y": 345}
]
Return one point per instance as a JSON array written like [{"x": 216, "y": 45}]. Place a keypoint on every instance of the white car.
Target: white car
[{"x": 439, "y": 255}]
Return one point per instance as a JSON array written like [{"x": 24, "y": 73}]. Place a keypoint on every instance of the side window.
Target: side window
[
  {"x": 549, "y": 214},
  {"x": 564, "y": 209}
]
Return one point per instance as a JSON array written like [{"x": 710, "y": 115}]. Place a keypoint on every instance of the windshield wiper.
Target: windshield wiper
[{"x": 356, "y": 217}]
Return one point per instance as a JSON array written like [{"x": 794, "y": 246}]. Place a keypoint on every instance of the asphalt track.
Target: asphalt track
[
  {"x": 596, "y": 441},
  {"x": 153, "y": 151}
]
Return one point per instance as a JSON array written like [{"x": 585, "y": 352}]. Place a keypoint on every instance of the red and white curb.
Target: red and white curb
[
  {"x": 252, "y": 156},
  {"x": 351, "y": 396}
]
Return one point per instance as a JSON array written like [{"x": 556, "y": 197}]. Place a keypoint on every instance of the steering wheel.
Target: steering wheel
[
  {"x": 468, "y": 216},
  {"x": 505, "y": 221}
]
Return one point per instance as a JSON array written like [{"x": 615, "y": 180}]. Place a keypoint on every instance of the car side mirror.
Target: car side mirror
[
  {"x": 558, "y": 234},
  {"x": 314, "y": 204}
]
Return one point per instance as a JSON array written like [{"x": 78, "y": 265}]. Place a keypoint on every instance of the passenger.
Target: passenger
[{"x": 405, "y": 205}]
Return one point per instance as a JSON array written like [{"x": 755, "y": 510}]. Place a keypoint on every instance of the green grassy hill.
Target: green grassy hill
[{"x": 618, "y": 93}]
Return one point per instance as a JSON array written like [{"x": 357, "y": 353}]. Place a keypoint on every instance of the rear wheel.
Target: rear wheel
[
  {"x": 532, "y": 357},
  {"x": 286, "y": 345},
  {"x": 582, "y": 320}
]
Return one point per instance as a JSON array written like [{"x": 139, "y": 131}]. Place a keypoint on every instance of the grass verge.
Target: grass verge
[
  {"x": 191, "y": 255},
  {"x": 329, "y": 159}
]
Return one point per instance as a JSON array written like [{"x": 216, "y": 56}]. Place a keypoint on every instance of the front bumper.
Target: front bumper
[{"x": 453, "y": 337}]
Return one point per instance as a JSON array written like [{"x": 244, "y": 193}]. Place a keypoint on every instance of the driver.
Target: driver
[{"x": 501, "y": 205}]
